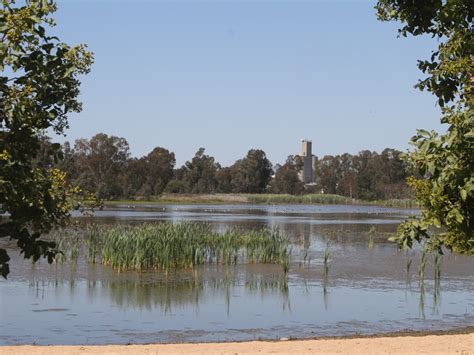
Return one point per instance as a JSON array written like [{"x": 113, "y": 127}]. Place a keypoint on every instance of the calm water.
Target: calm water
[{"x": 368, "y": 289}]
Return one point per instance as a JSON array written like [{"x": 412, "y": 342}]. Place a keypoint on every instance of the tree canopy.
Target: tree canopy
[
  {"x": 39, "y": 87},
  {"x": 287, "y": 179},
  {"x": 101, "y": 159},
  {"x": 102, "y": 165},
  {"x": 252, "y": 174},
  {"x": 444, "y": 162}
]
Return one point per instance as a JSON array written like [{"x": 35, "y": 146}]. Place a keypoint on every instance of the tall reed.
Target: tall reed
[
  {"x": 408, "y": 266},
  {"x": 298, "y": 199},
  {"x": 327, "y": 253},
  {"x": 93, "y": 242},
  {"x": 437, "y": 266},
  {"x": 371, "y": 237},
  {"x": 164, "y": 246},
  {"x": 422, "y": 265}
]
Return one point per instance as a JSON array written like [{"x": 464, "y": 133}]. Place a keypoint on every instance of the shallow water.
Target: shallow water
[{"x": 367, "y": 291}]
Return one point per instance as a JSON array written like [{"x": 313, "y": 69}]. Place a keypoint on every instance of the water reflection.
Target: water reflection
[
  {"x": 168, "y": 294},
  {"x": 365, "y": 286},
  {"x": 208, "y": 308}
]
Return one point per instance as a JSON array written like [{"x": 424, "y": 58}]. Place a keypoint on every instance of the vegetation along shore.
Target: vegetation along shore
[{"x": 267, "y": 199}]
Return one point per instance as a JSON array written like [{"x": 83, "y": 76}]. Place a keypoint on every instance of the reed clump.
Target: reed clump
[
  {"x": 164, "y": 246},
  {"x": 371, "y": 234},
  {"x": 325, "y": 199},
  {"x": 437, "y": 267},
  {"x": 275, "y": 199},
  {"x": 327, "y": 254},
  {"x": 422, "y": 265}
]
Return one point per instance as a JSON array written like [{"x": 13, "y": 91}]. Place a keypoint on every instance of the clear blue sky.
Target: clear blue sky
[{"x": 234, "y": 75}]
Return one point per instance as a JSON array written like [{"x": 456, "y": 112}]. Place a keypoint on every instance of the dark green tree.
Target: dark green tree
[
  {"x": 368, "y": 166},
  {"x": 158, "y": 171},
  {"x": 133, "y": 177},
  {"x": 327, "y": 174},
  {"x": 200, "y": 173},
  {"x": 252, "y": 174},
  {"x": 224, "y": 180},
  {"x": 101, "y": 160},
  {"x": 286, "y": 180},
  {"x": 39, "y": 87}
]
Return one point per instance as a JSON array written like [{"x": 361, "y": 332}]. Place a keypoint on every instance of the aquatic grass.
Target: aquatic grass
[
  {"x": 397, "y": 203},
  {"x": 93, "y": 242},
  {"x": 59, "y": 239},
  {"x": 421, "y": 304},
  {"x": 165, "y": 246},
  {"x": 325, "y": 199},
  {"x": 437, "y": 268},
  {"x": 269, "y": 199},
  {"x": 408, "y": 266},
  {"x": 326, "y": 256},
  {"x": 68, "y": 243},
  {"x": 74, "y": 247},
  {"x": 371, "y": 234},
  {"x": 306, "y": 260},
  {"x": 274, "y": 199},
  {"x": 422, "y": 265}
]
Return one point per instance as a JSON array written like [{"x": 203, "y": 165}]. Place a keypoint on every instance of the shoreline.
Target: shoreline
[
  {"x": 264, "y": 199},
  {"x": 460, "y": 341},
  {"x": 430, "y": 344}
]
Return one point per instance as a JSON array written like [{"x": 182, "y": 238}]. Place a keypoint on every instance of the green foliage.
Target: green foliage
[
  {"x": 327, "y": 254},
  {"x": 159, "y": 164},
  {"x": 317, "y": 199},
  {"x": 444, "y": 162},
  {"x": 165, "y": 246},
  {"x": 446, "y": 196},
  {"x": 99, "y": 161},
  {"x": 199, "y": 174},
  {"x": 366, "y": 175},
  {"x": 38, "y": 90},
  {"x": 251, "y": 174},
  {"x": 176, "y": 186},
  {"x": 287, "y": 179}
]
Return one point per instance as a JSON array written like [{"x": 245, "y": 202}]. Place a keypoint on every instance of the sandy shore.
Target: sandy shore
[{"x": 462, "y": 344}]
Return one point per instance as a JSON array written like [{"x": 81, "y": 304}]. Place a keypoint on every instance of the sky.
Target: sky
[{"x": 234, "y": 75}]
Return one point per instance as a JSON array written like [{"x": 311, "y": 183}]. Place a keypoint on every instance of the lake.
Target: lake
[{"x": 368, "y": 289}]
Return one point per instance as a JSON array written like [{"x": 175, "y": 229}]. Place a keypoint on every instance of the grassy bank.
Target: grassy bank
[
  {"x": 165, "y": 246},
  {"x": 268, "y": 199},
  {"x": 310, "y": 199}
]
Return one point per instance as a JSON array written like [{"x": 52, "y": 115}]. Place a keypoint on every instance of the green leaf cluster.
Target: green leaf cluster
[
  {"x": 446, "y": 193},
  {"x": 38, "y": 90},
  {"x": 444, "y": 162}
]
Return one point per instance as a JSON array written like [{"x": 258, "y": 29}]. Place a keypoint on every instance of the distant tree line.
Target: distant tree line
[{"x": 103, "y": 165}]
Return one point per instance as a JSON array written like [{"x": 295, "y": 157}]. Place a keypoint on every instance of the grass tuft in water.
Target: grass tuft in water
[
  {"x": 437, "y": 267},
  {"x": 165, "y": 246},
  {"x": 408, "y": 266},
  {"x": 326, "y": 256},
  {"x": 422, "y": 265},
  {"x": 371, "y": 237}
]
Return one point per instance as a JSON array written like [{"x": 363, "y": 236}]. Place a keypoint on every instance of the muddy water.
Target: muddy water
[{"x": 368, "y": 289}]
